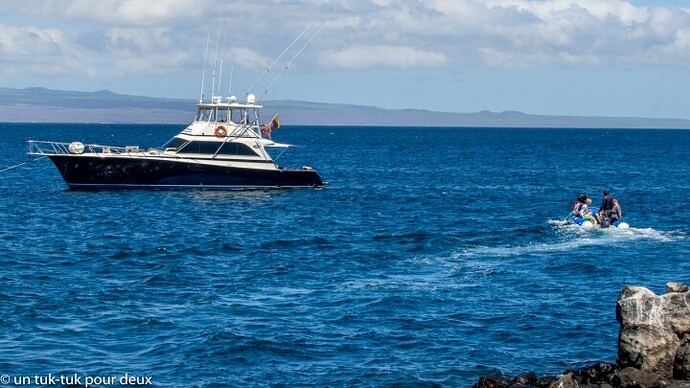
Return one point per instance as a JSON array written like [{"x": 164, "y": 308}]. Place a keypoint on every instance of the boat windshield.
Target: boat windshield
[
  {"x": 205, "y": 114},
  {"x": 222, "y": 114},
  {"x": 214, "y": 114},
  {"x": 174, "y": 143}
]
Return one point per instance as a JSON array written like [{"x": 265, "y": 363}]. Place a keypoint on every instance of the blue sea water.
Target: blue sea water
[{"x": 432, "y": 257}]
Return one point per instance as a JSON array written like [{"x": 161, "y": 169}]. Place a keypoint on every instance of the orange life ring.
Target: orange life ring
[{"x": 221, "y": 131}]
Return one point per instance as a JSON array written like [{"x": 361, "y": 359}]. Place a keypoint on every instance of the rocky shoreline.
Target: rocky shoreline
[{"x": 653, "y": 347}]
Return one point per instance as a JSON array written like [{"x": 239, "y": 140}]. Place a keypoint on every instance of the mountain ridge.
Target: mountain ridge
[{"x": 39, "y": 104}]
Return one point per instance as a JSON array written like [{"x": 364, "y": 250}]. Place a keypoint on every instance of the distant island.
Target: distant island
[{"x": 41, "y": 105}]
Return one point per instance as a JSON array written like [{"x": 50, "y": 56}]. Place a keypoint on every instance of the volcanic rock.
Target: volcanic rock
[{"x": 653, "y": 329}]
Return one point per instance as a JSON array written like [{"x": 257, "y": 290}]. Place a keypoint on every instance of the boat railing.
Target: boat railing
[{"x": 40, "y": 148}]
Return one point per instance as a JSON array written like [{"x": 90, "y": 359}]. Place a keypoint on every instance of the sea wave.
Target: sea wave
[{"x": 422, "y": 263}]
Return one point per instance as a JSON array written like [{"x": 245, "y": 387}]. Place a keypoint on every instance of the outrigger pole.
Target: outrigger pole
[
  {"x": 287, "y": 66},
  {"x": 268, "y": 69}
]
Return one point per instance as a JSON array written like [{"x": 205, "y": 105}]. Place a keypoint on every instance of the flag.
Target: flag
[
  {"x": 275, "y": 123},
  {"x": 267, "y": 128}
]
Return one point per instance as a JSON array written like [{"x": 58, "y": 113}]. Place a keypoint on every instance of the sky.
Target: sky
[{"x": 616, "y": 58}]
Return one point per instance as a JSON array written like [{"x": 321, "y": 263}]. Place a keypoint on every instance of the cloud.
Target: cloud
[
  {"x": 554, "y": 9},
  {"x": 247, "y": 58},
  {"x": 520, "y": 33},
  {"x": 512, "y": 33},
  {"x": 141, "y": 13},
  {"x": 139, "y": 35},
  {"x": 32, "y": 49},
  {"x": 361, "y": 57}
]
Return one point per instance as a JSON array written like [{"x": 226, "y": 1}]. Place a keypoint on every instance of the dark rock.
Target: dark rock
[
  {"x": 489, "y": 382},
  {"x": 635, "y": 378},
  {"x": 529, "y": 379},
  {"x": 598, "y": 373},
  {"x": 526, "y": 380},
  {"x": 532, "y": 380},
  {"x": 566, "y": 381},
  {"x": 681, "y": 366}
]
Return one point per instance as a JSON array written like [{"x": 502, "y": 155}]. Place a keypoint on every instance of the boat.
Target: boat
[
  {"x": 580, "y": 221},
  {"x": 225, "y": 147}
]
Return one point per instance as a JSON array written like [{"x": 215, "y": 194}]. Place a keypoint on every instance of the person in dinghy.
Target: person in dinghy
[
  {"x": 580, "y": 213},
  {"x": 583, "y": 214}
]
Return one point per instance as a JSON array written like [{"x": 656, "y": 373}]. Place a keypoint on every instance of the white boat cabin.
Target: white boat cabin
[{"x": 226, "y": 119}]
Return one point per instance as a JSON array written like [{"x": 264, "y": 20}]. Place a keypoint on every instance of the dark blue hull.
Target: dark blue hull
[{"x": 90, "y": 173}]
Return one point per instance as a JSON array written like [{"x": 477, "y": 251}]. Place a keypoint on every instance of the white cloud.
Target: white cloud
[
  {"x": 112, "y": 12},
  {"x": 521, "y": 33},
  {"x": 139, "y": 40},
  {"x": 247, "y": 58},
  {"x": 361, "y": 56},
  {"x": 148, "y": 36},
  {"x": 32, "y": 49},
  {"x": 600, "y": 9},
  {"x": 29, "y": 41}
]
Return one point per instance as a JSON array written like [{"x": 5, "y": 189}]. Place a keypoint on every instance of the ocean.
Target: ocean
[{"x": 432, "y": 257}]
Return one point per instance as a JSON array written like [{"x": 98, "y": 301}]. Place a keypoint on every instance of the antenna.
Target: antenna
[
  {"x": 203, "y": 72},
  {"x": 268, "y": 69},
  {"x": 215, "y": 62},
  {"x": 220, "y": 75},
  {"x": 287, "y": 66},
  {"x": 232, "y": 70}
]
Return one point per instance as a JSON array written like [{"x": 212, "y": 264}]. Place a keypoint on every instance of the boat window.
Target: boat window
[
  {"x": 200, "y": 147},
  {"x": 174, "y": 143},
  {"x": 236, "y": 149},
  {"x": 204, "y": 114},
  {"x": 223, "y": 115},
  {"x": 204, "y": 147}
]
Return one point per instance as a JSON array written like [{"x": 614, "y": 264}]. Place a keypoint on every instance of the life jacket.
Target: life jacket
[{"x": 577, "y": 209}]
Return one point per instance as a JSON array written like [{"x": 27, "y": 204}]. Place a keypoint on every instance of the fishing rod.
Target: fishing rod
[
  {"x": 268, "y": 69},
  {"x": 287, "y": 66}
]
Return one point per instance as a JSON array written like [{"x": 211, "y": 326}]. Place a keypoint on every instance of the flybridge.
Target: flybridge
[
  {"x": 230, "y": 111},
  {"x": 231, "y": 102}
]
